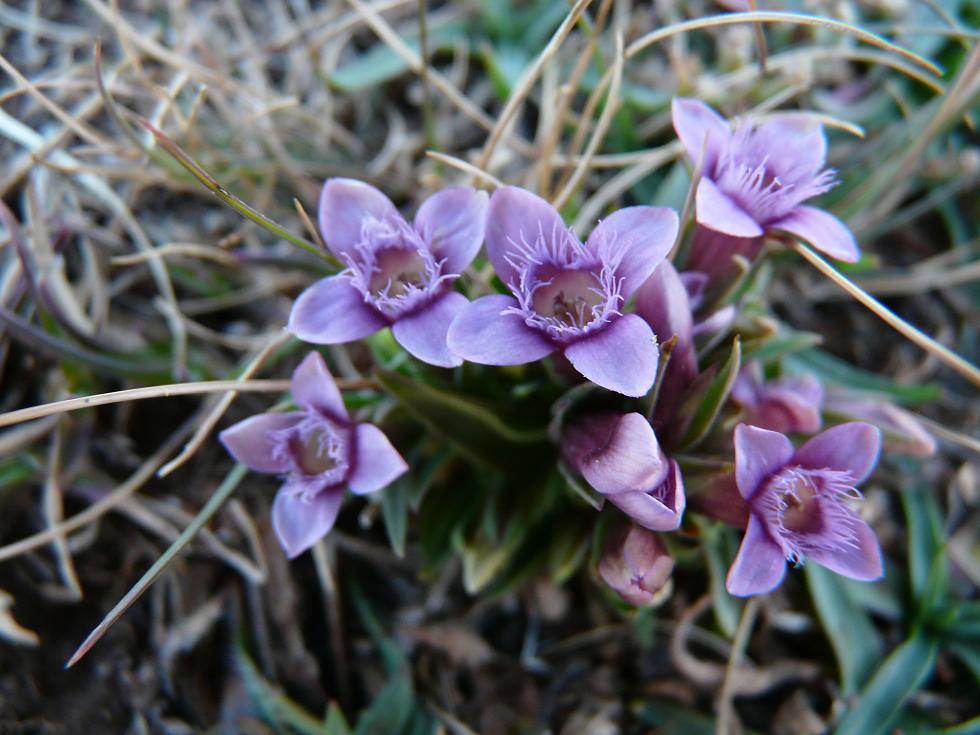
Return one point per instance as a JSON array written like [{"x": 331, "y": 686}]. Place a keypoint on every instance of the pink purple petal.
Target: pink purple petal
[
  {"x": 860, "y": 561},
  {"x": 515, "y": 216},
  {"x": 822, "y": 230},
  {"x": 482, "y": 333},
  {"x": 759, "y": 566},
  {"x": 452, "y": 223},
  {"x": 851, "y": 447},
  {"x": 619, "y": 454},
  {"x": 250, "y": 443},
  {"x": 423, "y": 333},
  {"x": 332, "y": 311},
  {"x": 758, "y": 454},
  {"x": 719, "y": 212},
  {"x": 344, "y": 205},
  {"x": 698, "y": 126},
  {"x": 622, "y": 356},
  {"x": 376, "y": 463},
  {"x": 300, "y": 523},
  {"x": 314, "y": 387},
  {"x": 639, "y": 237}
]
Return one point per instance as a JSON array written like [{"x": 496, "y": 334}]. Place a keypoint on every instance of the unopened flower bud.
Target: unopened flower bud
[{"x": 636, "y": 564}]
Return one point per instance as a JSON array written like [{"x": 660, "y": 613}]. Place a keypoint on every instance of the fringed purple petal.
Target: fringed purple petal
[
  {"x": 758, "y": 454},
  {"x": 822, "y": 230},
  {"x": 639, "y": 238},
  {"x": 759, "y": 566},
  {"x": 423, "y": 333},
  {"x": 251, "y": 441},
  {"x": 452, "y": 223},
  {"x": 860, "y": 559},
  {"x": 376, "y": 464},
  {"x": 314, "y": 387},
  {"x": 717, "y": 211},
  {"x": 344, "y": 206},
  {"x": 484, "y": 334},
  {"x": 849, "y": 448},
  {"x": 699, "y": 127},
  {"x": 299, "y": 523},
  {"x": 517, "y": 216},
  {"x": 621, "y": 357},
  {"x": 332, "y": 311}
]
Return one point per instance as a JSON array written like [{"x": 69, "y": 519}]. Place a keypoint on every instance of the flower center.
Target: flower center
[
  {"x": 315, "y": 449},
  {"x": 806, "y": 509},
  {"x": 569, "y": 296},
  {"x": 393, "y": 268}
]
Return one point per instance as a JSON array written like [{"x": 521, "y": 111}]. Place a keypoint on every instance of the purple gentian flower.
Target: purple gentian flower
[
  {"x": 620, "y": 457},
  {"x": 799, "y": 505},
  {"x": 789, "y": 404},
  {"x": 397, "y": 275},
  {"x": 318, "y": 451},
  {"x": 755, "y": 177},
  {"x": 567, "y": 296},
  {"x": 636, "y": 564}
]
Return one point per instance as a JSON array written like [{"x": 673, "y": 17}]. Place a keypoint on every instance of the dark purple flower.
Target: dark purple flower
[
  {"x": 636, "y": 564},
  {"x": 620, "y": 457},
  {"x": 397, "y": 275},
  {"x": 318, "y": 451},
  {"x": 567, "y": 296},
  {"x": 755, "y": 177},
  {"x": 789, "y": 405},
  {"x": 800, "y": 505}
]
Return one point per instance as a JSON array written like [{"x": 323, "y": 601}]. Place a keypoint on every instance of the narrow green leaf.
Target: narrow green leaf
[
  {"x": 391, "y": 711},
  {"x": 928, "y": 569},
  {"x": 835, "y": 370},
  {"x": 902, "y": 673},
  {"x": 474, "y": 430},
  {"x": 394, "y": 512},
  {"x": 705, "y": 399},
  {"x": 214, "y": 503},
  {"x": 335, "y": 723},
  {"x": 713, "y": 543},
  {"x": 854, "y": 639}
]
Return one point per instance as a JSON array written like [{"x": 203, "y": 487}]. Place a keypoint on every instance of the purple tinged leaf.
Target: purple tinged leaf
[
  {"x": 822, "y": 230},
  {"x": 376, "y": 462},
  {"x": 717, "y": 211},
  {"x": 299, "y": 523},
  {"x": 423, "y": 333},
  {"x": 314, "y": 388},
  {"x": 758, "y": 455},
  {"x": 250, "y": 441},
  {"x": 332, "y": 311},
  {"x": 452, "y": 222},
  {"x": 851, "y": 447},
  {"x": 621, "y": 357},
  {"x": 344, "y": 204},
  {"x": 759, "y": 566},
  {"x": 484, "y": 334}
]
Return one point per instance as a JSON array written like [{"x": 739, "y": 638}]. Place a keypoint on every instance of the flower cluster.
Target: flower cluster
[{"x": 612, "y": 309}]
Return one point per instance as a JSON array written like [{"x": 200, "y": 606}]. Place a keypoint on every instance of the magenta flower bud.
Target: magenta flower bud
[
  {"x": 789, "y": 405},
  {"x": 397, "y": 275},
  {"x": 800, "y": 505},
  {"x": 900, "y": 431},
  {"x": 636, "y": 564},
  {"x": 319, "y": 451},
  {"x": 754, "y": 179},
  {"x": 566, "y": 295},
  {"x": 619, "y": 456}
]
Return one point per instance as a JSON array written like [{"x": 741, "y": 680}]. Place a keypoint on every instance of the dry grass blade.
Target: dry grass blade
[
  {"x": 136, "y": 394},
  {"x": 711, "y": 21},
  {"x": 215, "y": 502},
  {"x": 469, "y": 168},
  {"x": 927, "y": 343}
]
